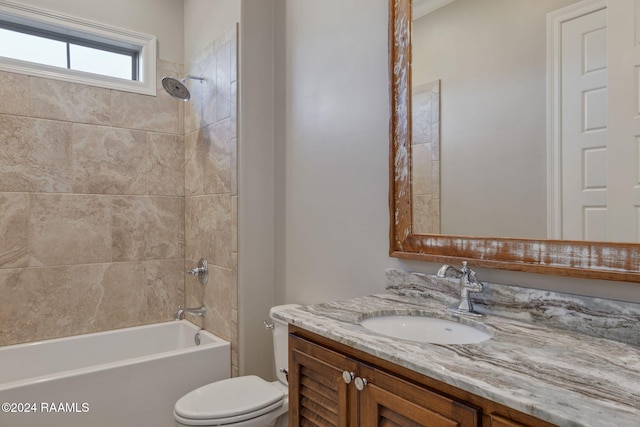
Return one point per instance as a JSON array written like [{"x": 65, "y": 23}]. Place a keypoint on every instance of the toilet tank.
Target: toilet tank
[{"x": 280, "y": 342}]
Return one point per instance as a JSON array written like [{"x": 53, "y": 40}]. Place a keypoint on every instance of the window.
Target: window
[
  {"x": 58, "y": 50},
  {"x": 47, "y": 44}
]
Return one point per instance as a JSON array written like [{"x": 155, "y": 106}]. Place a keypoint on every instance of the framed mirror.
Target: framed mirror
[{"x": 416, "y": 233}]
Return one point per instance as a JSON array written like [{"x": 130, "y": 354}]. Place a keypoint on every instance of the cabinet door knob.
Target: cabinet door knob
[
  {"x": 347, "y": 376},
  {"x": 360, "y": 383}
]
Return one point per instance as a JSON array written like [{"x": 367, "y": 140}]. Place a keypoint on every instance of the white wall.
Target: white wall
[
  {"x": 331, "y": 162},
  {"x": 205, "y": 21},
  {"x": 183, "y": 27},
  {"x": 490, "y": 57},
  {"x": 160, "y": 18},
  {"x": 256, "y": 187},
  {"x": 329, "y": 235},
  {"x": 332, "y": 149}
]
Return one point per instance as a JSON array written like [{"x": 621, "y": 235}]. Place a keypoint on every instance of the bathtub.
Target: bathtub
[{"x": 126, "y": 377}]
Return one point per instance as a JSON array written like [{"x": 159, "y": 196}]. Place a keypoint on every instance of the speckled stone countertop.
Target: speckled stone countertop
[{"x": 561, "y": 376}]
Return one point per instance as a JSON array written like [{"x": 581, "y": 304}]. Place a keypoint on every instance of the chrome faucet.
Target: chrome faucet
[
  {"x": 468, "y": 283},
  {"x": 200, "y": 311}
]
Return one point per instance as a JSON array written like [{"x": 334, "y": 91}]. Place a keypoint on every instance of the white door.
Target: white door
[
  {"x": 624, "y": 121},
  {"x": 584, "y": 127}
]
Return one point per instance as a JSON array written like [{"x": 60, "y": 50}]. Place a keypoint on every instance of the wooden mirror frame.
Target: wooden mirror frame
[{"x": 592, "y": 260}]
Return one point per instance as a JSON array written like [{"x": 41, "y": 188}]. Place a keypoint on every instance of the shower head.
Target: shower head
[{"x": 176, "y": 88}]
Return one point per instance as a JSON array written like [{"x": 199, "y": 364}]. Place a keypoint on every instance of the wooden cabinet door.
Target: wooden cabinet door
[
  {"x": 387, "y": 400},
  {"x": 500, "y": 421},
  {"x": 318, "y": 393}
]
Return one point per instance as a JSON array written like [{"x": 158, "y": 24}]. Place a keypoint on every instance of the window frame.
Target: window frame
[{"x": 79, "y": 31}]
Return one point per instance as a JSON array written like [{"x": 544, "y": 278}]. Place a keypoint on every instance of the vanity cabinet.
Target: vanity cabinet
[
  {"x": 332, "y": 389},
  {"x": 318, "y": 392},
  {"x": 331, "y": 384}
]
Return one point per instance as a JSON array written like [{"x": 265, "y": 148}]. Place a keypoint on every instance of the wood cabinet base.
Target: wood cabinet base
[{"x": 331, "y": 384}]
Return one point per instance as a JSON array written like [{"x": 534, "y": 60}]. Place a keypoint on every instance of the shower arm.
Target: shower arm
[{"x": 192, "y": 77}]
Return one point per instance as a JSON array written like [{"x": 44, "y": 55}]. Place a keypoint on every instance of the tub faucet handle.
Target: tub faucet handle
[{"x": 201, "y": 271}]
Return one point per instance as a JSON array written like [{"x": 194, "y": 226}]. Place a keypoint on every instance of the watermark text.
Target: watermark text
[{"x": 46, "y": 407}]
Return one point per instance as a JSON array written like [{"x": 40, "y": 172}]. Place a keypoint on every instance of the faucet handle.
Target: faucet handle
[
  {"x": 201, "y": 271},
  {"x": 466, "y": 271},
  {"x": 472, "y": 284},
  {"x": 446, "y": 268}
]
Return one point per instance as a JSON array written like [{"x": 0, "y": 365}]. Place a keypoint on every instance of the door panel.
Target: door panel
[
  {"x": 318, "y": 394},
  {"x": 500, "y": 421},
  {"x": 391, "y": 401},
  {"x": 584, "y": 127}
]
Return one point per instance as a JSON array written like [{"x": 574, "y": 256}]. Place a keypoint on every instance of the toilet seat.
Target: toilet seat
[{"x": 229, "y": 401}]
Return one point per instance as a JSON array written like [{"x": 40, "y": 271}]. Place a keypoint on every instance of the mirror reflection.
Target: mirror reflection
[{"x": 494, "y": 151}]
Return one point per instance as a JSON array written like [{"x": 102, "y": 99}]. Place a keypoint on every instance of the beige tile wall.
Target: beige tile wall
[
  {"x": 211, "y": 188},
  {"x": 92, "y": 207},
  {"x": 425, "y": 152},
  {"x": 106, "y": 197}
]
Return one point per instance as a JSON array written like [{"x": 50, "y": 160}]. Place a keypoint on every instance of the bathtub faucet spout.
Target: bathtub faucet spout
[{"x": 200, "y": 311}]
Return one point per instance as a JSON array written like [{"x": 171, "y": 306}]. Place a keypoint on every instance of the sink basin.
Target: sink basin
[{"x": 425, "y": 329}]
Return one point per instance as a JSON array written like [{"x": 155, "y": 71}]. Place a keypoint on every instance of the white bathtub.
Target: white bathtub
[{"x": 126, "y": 377}]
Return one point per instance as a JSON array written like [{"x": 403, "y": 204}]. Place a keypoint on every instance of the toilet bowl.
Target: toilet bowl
[{"x": 247, "y": 401}]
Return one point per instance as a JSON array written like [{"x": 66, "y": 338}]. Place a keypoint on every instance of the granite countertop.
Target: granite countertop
[{"x": 560, "y": 376}]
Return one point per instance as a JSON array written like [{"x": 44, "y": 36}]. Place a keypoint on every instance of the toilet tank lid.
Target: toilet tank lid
[
  {"x": 228, "y": 398},
  {"x": 282, "y": 307}
]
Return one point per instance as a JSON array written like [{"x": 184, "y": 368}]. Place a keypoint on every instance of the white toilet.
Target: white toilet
[{"x": 247, "y": 401}]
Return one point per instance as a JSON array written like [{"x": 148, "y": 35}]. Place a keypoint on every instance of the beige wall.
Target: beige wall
[
  {"x": 91, "y": 208},
  {"x": 103, "y": 193},
  {"x": 211, "y": 190}
]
